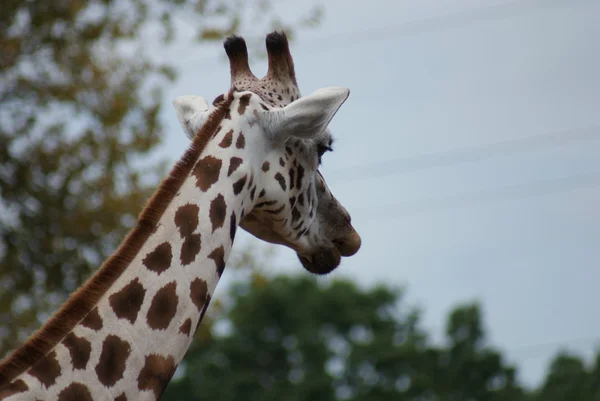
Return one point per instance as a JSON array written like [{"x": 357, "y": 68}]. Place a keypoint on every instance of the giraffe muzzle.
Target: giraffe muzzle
[{"x": 349, "y": 245}]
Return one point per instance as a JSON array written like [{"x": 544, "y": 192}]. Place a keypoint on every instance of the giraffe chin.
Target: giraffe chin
[{"x": 323, "y": 261}]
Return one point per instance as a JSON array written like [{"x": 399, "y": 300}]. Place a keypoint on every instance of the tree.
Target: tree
[
  {"x": 469, "y": 369},
  {"x": 296, "y": 339},
  {"x": 568, "y": 378},
  {"x": 79, "y": 107}
]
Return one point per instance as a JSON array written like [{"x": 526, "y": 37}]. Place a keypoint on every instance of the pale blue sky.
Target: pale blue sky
[{"x": 433, "y": 76}]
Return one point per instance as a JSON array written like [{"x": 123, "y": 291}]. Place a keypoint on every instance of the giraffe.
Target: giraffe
[{"x": 252, "y": 163}]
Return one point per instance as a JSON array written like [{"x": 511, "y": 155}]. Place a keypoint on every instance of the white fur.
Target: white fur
[
  {"x": 192, "y": 112},
  {"x": 305, "y": 118}
]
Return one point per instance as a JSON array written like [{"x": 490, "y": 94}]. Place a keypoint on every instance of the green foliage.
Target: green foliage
[
  {"x": 569, "y": 378},
  {"x": 293, "y": 339},
  {"x": 79, "y": 105}
]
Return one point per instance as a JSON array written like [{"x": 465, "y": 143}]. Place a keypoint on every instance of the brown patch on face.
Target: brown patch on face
[
  {"x": 207, "y": 172},
  {"x": 163, "y": 307},
  {"x": 156, "y": 374},
  {"x": 239, "y": 185},
  {"x": 241, "y": 141},
  {"x": 92, "y": 320},
  {"x": 46, "y": 370},
  {"x": 75, "y": 392},
  {"x": 244, "y": 102},
  {"x": 218, "y": 255},
  {"x": 265, "y": 166},
  {"x": 280, "y": 180},
  {"x": 121, "y": 397},
  {"x": 292, "y": 178},
  {"x": 186, "y": 327},
  {"x": 299, "y": 177},
  {"x": 159, "y": 259},
  {"x": 227, "y": 139},
  {"x": 190, "y": 249},
  {"x": 281, "y": 162},
  {"x": 198, "y": 292},
  {"x": 234, "y": 163},
  {"x": 186, "y": 219},
  {"x": 127, "y": 302},
  {"x": 218, "y": 208},
  {"x": 79, "y": 349},
  {"x": 262, "y": 193},
  {"x": 16, "y": 387},
  {"x": 112, "y": 361},
  {"x": 295, "y": 214}
]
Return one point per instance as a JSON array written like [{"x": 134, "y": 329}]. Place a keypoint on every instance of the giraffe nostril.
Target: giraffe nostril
[{"x": 349, "y": 245}]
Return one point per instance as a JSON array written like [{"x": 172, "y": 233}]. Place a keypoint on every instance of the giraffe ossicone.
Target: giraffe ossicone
[{"x": 253, "y": 162}]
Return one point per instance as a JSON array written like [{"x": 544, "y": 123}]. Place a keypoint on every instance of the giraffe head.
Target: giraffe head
[{"x": 281, "y": 138}]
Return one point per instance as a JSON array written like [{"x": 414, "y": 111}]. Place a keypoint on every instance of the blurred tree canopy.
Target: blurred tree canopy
[
  {"x": 79, "y": 104},
  {"x": 293, "y": 339}
]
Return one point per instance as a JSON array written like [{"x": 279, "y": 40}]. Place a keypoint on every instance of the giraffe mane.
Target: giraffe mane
[{"x": 81, "y": 302}]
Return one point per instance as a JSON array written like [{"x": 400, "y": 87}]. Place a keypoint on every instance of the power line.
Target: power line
[
  {"x": 444, "y": 21},
  {"x": 468, "y": 154},
  {"x": 479, "y": 198},
  {"x": 533, "y": 350},
  {"x": 426, "y": 25}
]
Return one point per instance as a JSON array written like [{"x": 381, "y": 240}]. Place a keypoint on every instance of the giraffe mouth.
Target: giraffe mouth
[{"x": 323, "y": 261}]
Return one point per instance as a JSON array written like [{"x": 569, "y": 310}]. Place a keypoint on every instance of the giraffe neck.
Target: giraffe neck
[{"x": 131, "y": 340}]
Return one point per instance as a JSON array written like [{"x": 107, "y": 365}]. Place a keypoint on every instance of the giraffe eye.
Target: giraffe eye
[{"x": 321, "y": 149}]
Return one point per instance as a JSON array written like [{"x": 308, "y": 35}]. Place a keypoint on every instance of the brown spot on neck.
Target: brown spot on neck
[
  {"x": 79, "y": 350},
  {"x": 47, "y": 370},
  {"x": 127, "y": 302},
  {"x": 217, "y": 212},
  {"x": 163, "y": 307},
  {"x": 232, "y": 226},
  {"x": 186, "y": 219},
  {"x": 75, "y": 392},
  {"x": 92, "y": 320},
  {"x": 156, "y": 373},
  {"x": 234, "y": 163},
  {"x": 218, "y": 256},
  {"x": 10, "y": 389},
  {"x": 186, "y": 327},
  {"x": 207, "y": 172},
  {"x": 227, "y": 139},
  {"x": 241, "y": 141},
  {"x": 159, "y": 259},
  {"x": 113, "y": 358},
  {"x": 198, "y": 292},
  {"x": 190, "y": 248}
]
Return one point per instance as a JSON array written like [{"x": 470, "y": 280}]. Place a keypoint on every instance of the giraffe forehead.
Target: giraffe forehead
[{"x": 274, "y": 93}]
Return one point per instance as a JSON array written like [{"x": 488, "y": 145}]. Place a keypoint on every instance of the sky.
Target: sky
[{"x": 466, "y": 155}]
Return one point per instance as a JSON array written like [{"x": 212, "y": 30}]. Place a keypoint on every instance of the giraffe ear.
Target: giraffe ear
[
  {"x": 305, "y": 118},
  {"x": 192, "y": 112}
]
